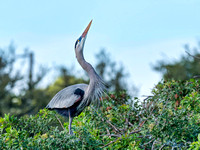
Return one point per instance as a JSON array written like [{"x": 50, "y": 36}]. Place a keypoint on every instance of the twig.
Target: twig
[
  {"x": 118, "y": 138},
  {"x": 60, "y": 122},
  {"x": 192, "y": 55},
  {"x": 146, "y": 136},
  {"x": 162, "y": 147},
  {"x": 148, "y": 142},
  {"x": 113, "y": 135},
  {"x": 156, "y": 119},
  {"x": 153, "y": 145},
  {"x": 112, "y": 126},
  {"x": 144, "y": 121},
  {"x": 130, "y": 124},
  {"x": 108, "y": 132},
  {"x": 197, "y": 76},
  {"x": 132, "y": 132},
  {"x": 109, "y": 143},
  {"x": 126, "y": 121}
]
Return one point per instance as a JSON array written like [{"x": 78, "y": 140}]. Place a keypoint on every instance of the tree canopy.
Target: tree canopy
[{"x": 188, "y": 66}]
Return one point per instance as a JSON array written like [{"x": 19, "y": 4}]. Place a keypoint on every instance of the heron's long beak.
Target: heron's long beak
[{"x": 86, "y": 30}]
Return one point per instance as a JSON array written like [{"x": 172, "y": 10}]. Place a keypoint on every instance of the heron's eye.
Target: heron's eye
[{"x": 79, "y": 39}]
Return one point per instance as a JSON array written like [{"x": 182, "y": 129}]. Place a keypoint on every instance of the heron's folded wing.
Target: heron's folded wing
[{"x": 66, "y": 97}]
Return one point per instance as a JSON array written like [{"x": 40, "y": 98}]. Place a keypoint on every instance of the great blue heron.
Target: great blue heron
[{"x": 72, "y": 100}]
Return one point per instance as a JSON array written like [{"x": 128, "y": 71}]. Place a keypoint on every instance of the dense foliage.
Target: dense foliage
[{"x": 168, "y": 119}]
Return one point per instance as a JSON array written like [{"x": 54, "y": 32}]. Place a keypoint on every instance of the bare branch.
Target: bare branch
[
  {"x": 196, "y": 77},
  {"x": 192, "y": 55},
  {"x": 108, "y": 133},
  {"x": 109, "y": 143},
  {"x": 112, "y": 135},
  {"x": 130, "y": 124},
  {"x": 144, "y": 121},
  {"x": 132, "y": 132},
  {"x": 162, "y": 147},
  {"x": 60, "y": 122},
  {"x": 154, "y": 142},
  {"x": 149, "y": 142},
  {"x": 112, "y": 126}
]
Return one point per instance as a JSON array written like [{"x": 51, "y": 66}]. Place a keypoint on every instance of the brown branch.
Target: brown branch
[
  {"x": 112, "y": 126},
  {"x": 154, "y": 142},
  {"x": 162, "y": 147},
  {"x": 132, "y": 132},
  {"x": 110, "y": 143},
  {"x": 146, "y": 136},
  {"x": 118, "y": 138},
  {"x": 144, "y": 121},
  {"x": 108, "y": 132},
  {"x": 112, "y": 135},
  {"x": 119, "y": 132},
  {"x": 130, "y": 124},
  {"x": 126, "y": 121},
  {"x": 148, "y": 142},
  {"x": 60, "y": 122}
]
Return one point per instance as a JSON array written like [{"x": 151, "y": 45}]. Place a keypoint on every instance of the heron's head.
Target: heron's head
[{"x": 81, "y": 40}]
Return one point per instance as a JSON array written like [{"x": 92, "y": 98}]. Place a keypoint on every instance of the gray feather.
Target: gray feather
[{"x": 66, "y": 97}]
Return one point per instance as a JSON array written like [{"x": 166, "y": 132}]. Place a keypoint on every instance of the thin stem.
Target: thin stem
[
  {"x": 109, "y": 143},
  {"x": 60, "y": 122}
]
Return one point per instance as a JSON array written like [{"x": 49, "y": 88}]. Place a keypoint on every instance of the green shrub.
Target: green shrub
[
  {"x": 176, "y": 121},
  {"x": 167, "y": 119},
  {"x": 195, "y": 145}
]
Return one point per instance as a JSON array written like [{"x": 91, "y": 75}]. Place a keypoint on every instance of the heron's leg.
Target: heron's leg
[{"x": 70, "y": 123}]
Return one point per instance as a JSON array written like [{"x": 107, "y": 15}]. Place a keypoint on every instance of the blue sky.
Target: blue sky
[{"x": 135, "y": 33}]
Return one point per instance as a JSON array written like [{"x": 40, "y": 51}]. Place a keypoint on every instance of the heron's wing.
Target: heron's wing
[{"x": 67, "y": 96}]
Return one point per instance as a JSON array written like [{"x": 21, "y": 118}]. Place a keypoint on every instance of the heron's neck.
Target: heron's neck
[
  {"x": 96, "y": 85},
  {"x": 87, "y": 67}
]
